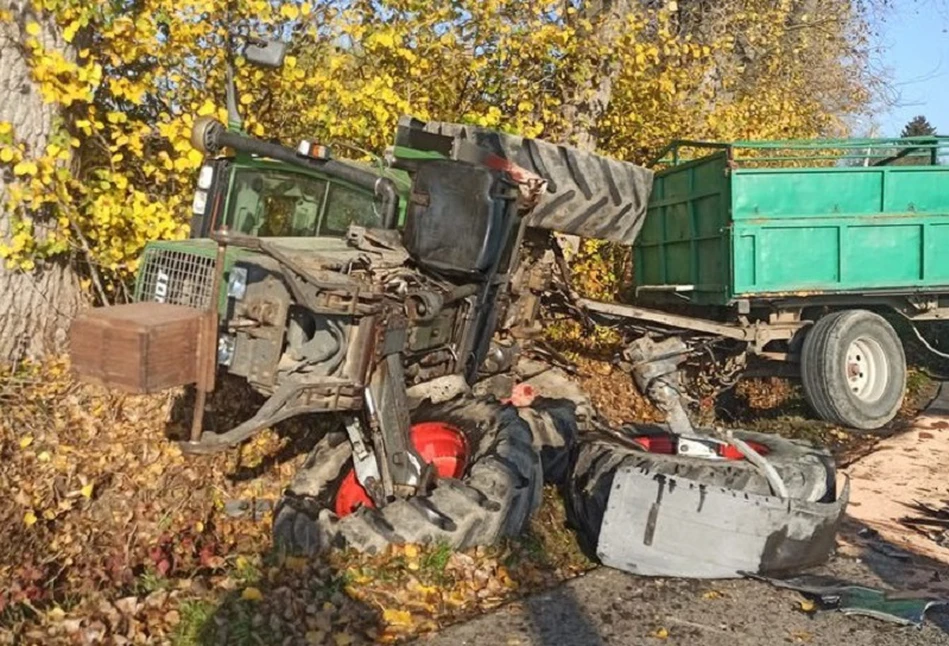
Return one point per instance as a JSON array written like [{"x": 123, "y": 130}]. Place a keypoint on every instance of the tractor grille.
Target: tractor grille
[{"x": 176, "y": 277}]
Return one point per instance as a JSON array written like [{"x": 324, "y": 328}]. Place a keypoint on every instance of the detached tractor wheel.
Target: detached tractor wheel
[
  {"x": 854, "y": 369},
  {"x": 489, "y": 483},
  {"x": 808, "y": 473}
]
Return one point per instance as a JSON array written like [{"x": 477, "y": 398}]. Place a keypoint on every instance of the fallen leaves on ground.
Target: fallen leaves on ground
[
  {"x": 806, "y": 605},
  {"x": 112, "y": 534},
  {"x": 613, "y": 393}
]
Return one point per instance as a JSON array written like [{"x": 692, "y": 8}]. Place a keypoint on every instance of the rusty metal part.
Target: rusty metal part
[
  {"x": 727, "y": 330},
  {"x": 758, "y": 335},
  {"x": 137, "y": 347},
  {"x": 655, "y": 368},
  {"x": 328, "y": 395},
  {"x": 207, "y": 347}
]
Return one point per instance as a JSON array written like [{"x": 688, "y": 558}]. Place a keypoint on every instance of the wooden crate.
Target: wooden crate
[{"x": 138, "y": 347}]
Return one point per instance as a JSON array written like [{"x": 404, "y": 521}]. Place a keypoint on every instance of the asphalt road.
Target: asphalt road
[{"x": 611, "y": 607}]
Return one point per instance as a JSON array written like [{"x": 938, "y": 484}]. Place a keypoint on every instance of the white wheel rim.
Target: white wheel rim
[{"x": 867, "y": 369}]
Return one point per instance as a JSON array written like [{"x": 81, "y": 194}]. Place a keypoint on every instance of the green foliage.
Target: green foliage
[{"x": 918, "y": 126}]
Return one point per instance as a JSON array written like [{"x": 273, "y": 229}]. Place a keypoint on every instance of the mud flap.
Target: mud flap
[{"x": 658, "y": 525}]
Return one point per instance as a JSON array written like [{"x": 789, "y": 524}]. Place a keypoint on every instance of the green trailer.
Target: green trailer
[{"x": 797, "y": 248}]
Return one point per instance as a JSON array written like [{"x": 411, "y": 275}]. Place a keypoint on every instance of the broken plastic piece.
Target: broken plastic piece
[
  {"x": 522, "y": 395},
  {"x": 905, "y": 608},
  {"x": 659, "y": 525}
]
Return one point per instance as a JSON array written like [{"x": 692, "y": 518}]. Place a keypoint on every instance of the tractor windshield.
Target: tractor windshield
[{"x": 278, "y": 203}]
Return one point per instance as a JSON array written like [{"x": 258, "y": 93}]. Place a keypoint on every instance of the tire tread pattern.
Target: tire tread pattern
[
  {"x": 825, "y": 384},
  {"x": 496, "y": 498},
  {"x": 588, "y": 195}
]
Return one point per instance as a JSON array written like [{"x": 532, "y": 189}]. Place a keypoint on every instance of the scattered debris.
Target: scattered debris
[
  {"x": 659, "y": 525},
  {"x": 876, "y": 543},
  {"x": 897, "y": 486},
  {"x": 668, "y": 503},
  {"x": 905, "y": 608},
  {"x": 932, "y": 521}
]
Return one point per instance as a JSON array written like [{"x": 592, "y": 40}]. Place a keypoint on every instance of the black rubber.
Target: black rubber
[
  {"x": 496, "y": 497},
  {"x": 556, "y": 417},
  {"x": 808, "y": 473},
  {"x": 823, "y": 369},
  {"x": 553, "y": 427},
  {"x": 588, "y": 195}
]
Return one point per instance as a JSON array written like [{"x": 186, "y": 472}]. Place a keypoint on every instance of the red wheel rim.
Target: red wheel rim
[
  {"x": 665, "y": 444},
  {"x": 437, "y": 443},
  {"x": 442, "y": 446},
  {"x": 351, "y": 495}
]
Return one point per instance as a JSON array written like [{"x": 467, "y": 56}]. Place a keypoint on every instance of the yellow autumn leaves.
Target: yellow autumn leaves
[{"x": 123, "y": 170}]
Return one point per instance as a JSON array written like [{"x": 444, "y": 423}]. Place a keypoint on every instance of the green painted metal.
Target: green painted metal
[
  {"x": 401, "y": 179},
  {"x": 202, "y": 247},
  {"x": 206, "y": 248},
  {"x": 723, "y": 227}
]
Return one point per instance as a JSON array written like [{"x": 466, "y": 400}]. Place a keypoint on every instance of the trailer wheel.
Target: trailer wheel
[
  {"x": 854, "y": 369},
  {"x": 494, "y": 497}
]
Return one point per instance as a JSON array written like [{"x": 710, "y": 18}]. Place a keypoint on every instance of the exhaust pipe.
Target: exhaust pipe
[{"x": 210, "y": 137}]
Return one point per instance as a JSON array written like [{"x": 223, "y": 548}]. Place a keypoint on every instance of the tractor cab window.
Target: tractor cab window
[
  {"x": 345, "y": 206},
  {"x": 276, "y": 203}
]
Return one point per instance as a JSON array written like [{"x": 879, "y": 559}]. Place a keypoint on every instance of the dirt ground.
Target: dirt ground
[{"x": 610, "y": 607}]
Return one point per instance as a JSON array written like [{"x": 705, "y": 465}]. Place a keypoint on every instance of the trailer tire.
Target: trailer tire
[
  {"x": 809, "y": 474},
  {"x": 853, "y": 368},
  {"x": 495, "y": 498}
]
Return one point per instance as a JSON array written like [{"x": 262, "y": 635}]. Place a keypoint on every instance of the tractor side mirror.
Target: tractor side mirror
[{"x": 266, "y": 53}]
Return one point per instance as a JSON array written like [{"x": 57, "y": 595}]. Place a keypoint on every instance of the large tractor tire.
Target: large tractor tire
[
  {"x": 587, "y": 195},
  {"x": 486, "y": 444},
  {"x": 808, "y": 473},
  {"x": 854, "y": 369}
]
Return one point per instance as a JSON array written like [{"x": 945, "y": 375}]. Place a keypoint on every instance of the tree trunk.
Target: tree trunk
[
  {"x": 589, "y": 100},
  {"x": 35, "y": 307}
]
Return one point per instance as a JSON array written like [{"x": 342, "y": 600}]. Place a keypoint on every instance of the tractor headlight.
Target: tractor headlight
[
  {"x": 200, "y": 202},
  {"x": 237, "y": 283},
  {"x": 205, "y": 177}
]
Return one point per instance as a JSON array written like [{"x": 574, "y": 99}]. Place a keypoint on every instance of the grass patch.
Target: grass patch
[
  {"x": 195, "y": 626},
  {"x": 433, "y": 563}
]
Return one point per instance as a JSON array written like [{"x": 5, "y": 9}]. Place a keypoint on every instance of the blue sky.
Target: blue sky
[{"x": 914, "y": 49}]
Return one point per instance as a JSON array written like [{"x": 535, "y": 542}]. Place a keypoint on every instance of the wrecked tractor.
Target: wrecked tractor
[
  {"x": 385, "y": 295},
  {"x": 379, "y": 301}
]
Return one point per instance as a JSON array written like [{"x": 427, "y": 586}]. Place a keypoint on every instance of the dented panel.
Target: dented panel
[{"x": 657, "y": 525}]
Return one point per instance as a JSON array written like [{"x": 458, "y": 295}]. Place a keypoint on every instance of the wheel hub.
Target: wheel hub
[
  {"x": 707, "y": 448},
  {"x": 866, "y": 369},
  {"x": 441, "y": 445}
]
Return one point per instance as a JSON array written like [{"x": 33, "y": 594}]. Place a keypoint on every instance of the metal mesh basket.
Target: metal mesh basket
[{"x": 176, "y": 277}]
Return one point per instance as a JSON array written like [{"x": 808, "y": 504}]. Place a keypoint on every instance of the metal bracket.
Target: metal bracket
[
  {"x": 364, "y": 459},
  {"x": 403, "y": 471},
  {"x": 289, "y": 400}
]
